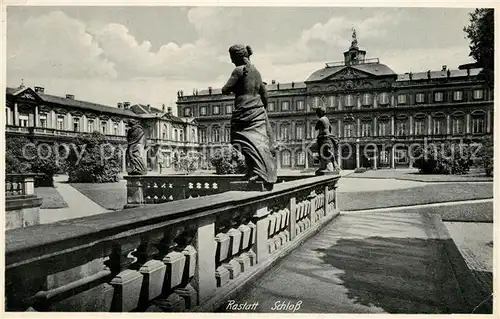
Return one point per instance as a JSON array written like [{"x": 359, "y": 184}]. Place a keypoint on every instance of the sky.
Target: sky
[{"x": 146, "y": 54}]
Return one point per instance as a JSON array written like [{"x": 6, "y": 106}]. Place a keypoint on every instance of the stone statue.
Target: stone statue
[
  {"x": 327, "y": 145},
  {"x": 135, "y": 151},
  {"x": 250, "y": 129}
]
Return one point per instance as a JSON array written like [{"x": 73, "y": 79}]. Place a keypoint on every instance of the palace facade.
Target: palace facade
[
  {"x": 50, "y": 118},
  {"x": 378, "y": 115}
]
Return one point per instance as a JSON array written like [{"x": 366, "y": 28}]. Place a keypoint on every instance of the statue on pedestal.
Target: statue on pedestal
[
  {"x": 136, "y": 140},
  {"x": 250, "y": 128},
  {"x": 327, "y": 145}
]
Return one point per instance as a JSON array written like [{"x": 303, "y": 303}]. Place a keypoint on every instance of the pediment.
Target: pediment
[
  {"x": 27, "y": 94},
  {"x": 347, "y": 74}
]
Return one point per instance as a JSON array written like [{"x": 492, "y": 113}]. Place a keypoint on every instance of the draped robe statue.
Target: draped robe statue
[
  {"x": 327, "y": 145},
  {"x": 135, "y": 150}
]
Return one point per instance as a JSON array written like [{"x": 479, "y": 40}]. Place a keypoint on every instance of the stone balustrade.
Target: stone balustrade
[
  {"x": 187, "y": 255},
  {"x": 156, "y": 189},
  {"x": 22, "y": 205}
]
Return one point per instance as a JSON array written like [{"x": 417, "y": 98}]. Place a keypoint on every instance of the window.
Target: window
[
  {"x": 458, "y": 125},
  {"x": 115, "y": 129},
  {"x": 270, "y": 106},
  {"x": 438, "y": 126},
  {"x": 285, "y": 105},
  {"x": 229, "y": 109},
  {"x": 216, "y": 134},
  {"x": 76, "y": 125},
  {"x": 104, "y": 128},
  {"x": 458, "y": 96},
  {"x": 23, "y": 120},
  {"x": 43, "y": 121},
  {"x": 402, "y": 99},
  {"x": 419, "y": 126},
  {"x": 384, "y": 158},
  {"x": 187, "y": 111},
  {"x": 176, "y": 135},
  {"x": 420, "y": 98},
  {"x": 90, "y": 126},
  {"x": 193, "y": 135},
  {"x": 367, "y": 99},
  {"x": 181, "y": 135},
  {"x": 477, "y": 124},
  {"x": 316, "y": 102},
  {"x": 400, "y": 156},
  {"x": 203, "y": 110},
  {"x": 299, "y": 132},
  {"x": 332, "y": 102},
  {"x": 478, "y": 94},
  {"x": 401, "y": 128},
  {"x": 60, "y": 123},
  {"x": 285, "y": 158},
  {"x": 438, "y": 97},
  {"x": 348, "y": 129},
  {"x": 301, "y": 158},
  {"x": 300, "y": 105},
  {"x": 164, "y": 132},
  {"x": 384, "y": 98},
  {"x": 203, "y": 135},
  {"x": 383, "y": 128},
  {"x": 227, "y": 134},
  {"x": 284, "y": 132},
  {"x": 366, "y": 129},
  {"x": 349, "y": 100},
  {"x": 216, "y": 110}
]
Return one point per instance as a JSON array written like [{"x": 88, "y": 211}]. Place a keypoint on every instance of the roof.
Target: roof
[
  {"x": 48, "y": 98},
  {"x": 376, "y": 69},
  {"x": 269, "y": 87},
  {"x": 437, "y": 74}
]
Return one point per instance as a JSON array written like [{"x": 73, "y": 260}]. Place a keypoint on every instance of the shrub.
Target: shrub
[
  {"x": 100, "y": 162},
  {"x": 360, "y": 170},
  {"x": 486, "y": 155},
  {"x": 187, "y": 163},
  {"x": 228, "y": 160},
  {"x": 445, "y": 158}
]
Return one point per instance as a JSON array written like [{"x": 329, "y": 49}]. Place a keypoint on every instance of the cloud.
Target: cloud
[{"x": 55, "y": 44}]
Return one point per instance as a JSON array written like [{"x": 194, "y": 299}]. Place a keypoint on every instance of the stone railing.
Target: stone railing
[
  {"x": 22, "y": 206},
  {"x": 156, "y": 189},
  {"x": 188, "y": 255}
]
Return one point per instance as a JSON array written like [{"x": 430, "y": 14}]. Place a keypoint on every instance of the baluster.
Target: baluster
[
  {"x": 127, "y": 282},
  {"x": 292, "y": 218},
  {"x": 261, "y": 246},
  {"x": 235, "y": 235},
  {"x": 174, "y": 261},
  {"x": 204, "y": 242},
  {"x": 185, "y": 289},
  {"x": 153, "y": 270},
  {"x": 271, "y": 229},
  {"x": 222, "y": 240},
  {"x": 245, "y": 260}
]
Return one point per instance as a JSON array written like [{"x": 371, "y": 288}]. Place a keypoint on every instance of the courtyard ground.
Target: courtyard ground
[
  {"x": 51, "y": 198},
  {"x": 412, "y": 174}
]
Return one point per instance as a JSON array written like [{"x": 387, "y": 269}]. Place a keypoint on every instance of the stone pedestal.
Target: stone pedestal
[
  {"x": 261, "y": 247},
  {"x": 127, "y": 286},
  {"x": 153, "y": 273},
  {"x": 135, "y": 195},
  {"x": 175, "y": 262}
]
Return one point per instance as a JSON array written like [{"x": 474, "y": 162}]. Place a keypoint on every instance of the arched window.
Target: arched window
[
  {"x": 402, "y": 126},
  {"x": 419, "y": 124},
  {"x": 383, "y": 98},
  {"x": 202, "y": 131},
  {"x": 301, "y": 158},
  {"x": 384, "y": 128},
  {"x": 181, "y": 135},
  {"x": 284, "y": 132},
  {"x": 348, "y": 129},
  {"x": 285, "y": 158},
  {"x": 367, "y": 99},
  {"x": 227, "y": 134},
  {"x": 216, "y": 134},
  {"x": 457, "y": 123},
  {"x": 193, "y": 135},
  {"x": 439, "y": 124},
  {"x": 366, "y": 128}
]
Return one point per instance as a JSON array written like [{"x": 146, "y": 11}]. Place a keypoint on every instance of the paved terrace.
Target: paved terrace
[{"x": 370, "y": 263}]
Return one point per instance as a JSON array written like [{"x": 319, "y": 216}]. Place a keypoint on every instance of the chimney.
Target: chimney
[
  {"x": 163, "y": 108},
  {"x": 411, "y": 76},
  {"x": 448, "y": 73},
  {"x": 169, "y": 110},
  {"x": 443, "y": 68},
  {"x": 273, "y": 81},
  {"x": 278, "y": 86},
  {"x": 120, "y": 105},
  {"x": 429, "y": 74},
  {"x": 126, "y": 105},
  {"x": 39, "y": 89},
  {"x": 468, "y": 72},
  {"x": 293, "y": 84},
  {"x": 148, "y": 107},
  {"x": 70, "y": 96},
  {"x": 210, "y": 90}
]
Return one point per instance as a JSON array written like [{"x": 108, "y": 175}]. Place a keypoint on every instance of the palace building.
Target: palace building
[
  {"x": 376, "y": 113},
  {"x": 49, "y": 118}
]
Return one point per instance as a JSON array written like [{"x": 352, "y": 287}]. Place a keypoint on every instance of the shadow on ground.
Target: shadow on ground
[{"x": 405, "y": 275}]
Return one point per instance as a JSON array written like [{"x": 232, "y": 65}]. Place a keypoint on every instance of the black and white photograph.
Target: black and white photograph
[{"x": 272, "y": 158}]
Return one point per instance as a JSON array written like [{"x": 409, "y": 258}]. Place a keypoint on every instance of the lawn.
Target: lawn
[
  {"x": 111, "y": 196},
  {"x": 51, "y": 198},
  {"x": 475, "y": 175},
  {"x": 430, "y": 193}
]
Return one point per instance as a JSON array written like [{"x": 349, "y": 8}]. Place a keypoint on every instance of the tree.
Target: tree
[
  {"x": 187, "y": 163},
  {"x": 480, "y": 32},
  {"x": 486, "y": 155},
  {"x": 446, "y": 158},
  {"x": 96, "y": 160}
]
